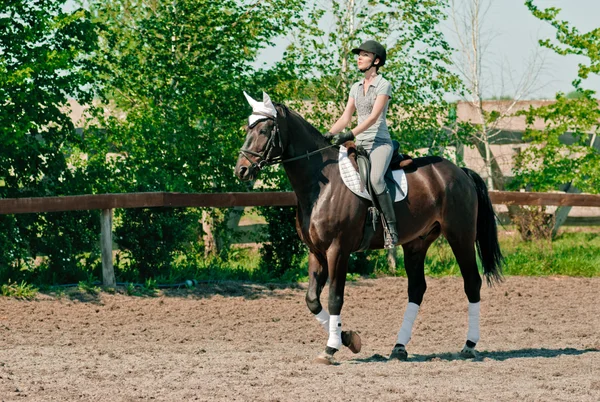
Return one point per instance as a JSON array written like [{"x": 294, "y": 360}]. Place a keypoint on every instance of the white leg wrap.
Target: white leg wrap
[
  {"x": 335, "y": 332},
  {"x": 407, "y": 324},
  {"x": 323, "y": 318},
  {"x": 473, "y": 333}
]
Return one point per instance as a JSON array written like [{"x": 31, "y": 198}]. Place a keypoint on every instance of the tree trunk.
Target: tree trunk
[
  {"x": 492, "y": 166},
  {"x": 210, "y": 243},
  {"x": 391, "y": 259},
  {"x": 562, "y": 213}
]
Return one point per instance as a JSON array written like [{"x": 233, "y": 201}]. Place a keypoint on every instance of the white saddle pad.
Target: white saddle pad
[{"x": 352, "y": 179}]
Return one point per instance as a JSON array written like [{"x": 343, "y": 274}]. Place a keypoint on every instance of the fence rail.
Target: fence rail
[
  {"x": 224, "y": 200},
  {"x": 108, "y": 202}
]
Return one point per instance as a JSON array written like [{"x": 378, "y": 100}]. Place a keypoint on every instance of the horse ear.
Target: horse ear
[
  {"x": 266, "y": 98},
  {"x": 268, "y": 103},
  {"x": 251, "y": 101}
]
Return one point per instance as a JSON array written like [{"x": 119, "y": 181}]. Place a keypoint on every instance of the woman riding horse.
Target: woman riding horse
[
  {"x": 442, "y": 199},
  {"x": 370, "y": 97}
]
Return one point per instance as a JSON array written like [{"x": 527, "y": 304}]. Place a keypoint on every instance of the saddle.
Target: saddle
[{"x": 360, "y": 161}]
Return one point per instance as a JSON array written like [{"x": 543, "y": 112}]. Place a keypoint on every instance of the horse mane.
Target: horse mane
[{"x": 308, "y": 128}]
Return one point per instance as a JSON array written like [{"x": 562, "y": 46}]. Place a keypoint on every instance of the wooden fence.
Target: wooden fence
[{"x": 108, "y": 202}]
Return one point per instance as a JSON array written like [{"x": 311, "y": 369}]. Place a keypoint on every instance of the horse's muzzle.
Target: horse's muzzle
[{"x": 245, "y": 173}]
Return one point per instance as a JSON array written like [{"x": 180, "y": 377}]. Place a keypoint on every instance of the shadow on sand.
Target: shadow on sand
[
  {"x": 200, "y": 290},
  {"x": 499, "y": 355}
]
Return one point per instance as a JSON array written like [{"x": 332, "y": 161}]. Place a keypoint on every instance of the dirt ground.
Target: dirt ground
[{"x": 540, "y": 341}]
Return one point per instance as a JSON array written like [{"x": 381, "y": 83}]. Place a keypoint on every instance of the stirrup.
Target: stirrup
[{"x": 388, "y": 240}]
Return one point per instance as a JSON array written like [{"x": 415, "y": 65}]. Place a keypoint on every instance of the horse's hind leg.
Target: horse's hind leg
[
  {"x": 414, "y": 262},
  {"x": 318, "y": 274},
  {"x": 463, "y": 247}
]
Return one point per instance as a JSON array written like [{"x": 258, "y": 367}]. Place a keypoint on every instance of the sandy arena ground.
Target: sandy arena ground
[{"x": 540, "y": 341}]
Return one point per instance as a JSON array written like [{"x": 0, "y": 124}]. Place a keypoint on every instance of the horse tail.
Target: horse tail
[{"x": 487, "y": 243}]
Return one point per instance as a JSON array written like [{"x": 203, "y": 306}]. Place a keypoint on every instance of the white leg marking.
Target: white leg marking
[
  {"x": 473, "y": 333},
  {"x": 323, "y": 318},
  {"x": 335, "y": 332},
  {"x": 407, "y": 324}
]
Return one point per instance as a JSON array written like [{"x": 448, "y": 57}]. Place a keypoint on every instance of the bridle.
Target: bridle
[{"x": 274, "y": 143}]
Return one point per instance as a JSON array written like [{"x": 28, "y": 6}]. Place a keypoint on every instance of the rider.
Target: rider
[{"x": 370, "y": 97}]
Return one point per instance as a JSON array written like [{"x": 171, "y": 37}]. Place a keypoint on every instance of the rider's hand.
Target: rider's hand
[
  {"x": 328, "y": 136},
  {"x": 341, "y": 138}
]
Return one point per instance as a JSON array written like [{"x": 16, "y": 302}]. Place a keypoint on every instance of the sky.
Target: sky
[{"x": 513, "y": 34}]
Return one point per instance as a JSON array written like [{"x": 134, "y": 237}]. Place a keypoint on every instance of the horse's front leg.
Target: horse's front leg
[
  {"x": 318, "y": 274},
  {"x": 337, "y": 264},
  {"x": 317, "y": 277}
]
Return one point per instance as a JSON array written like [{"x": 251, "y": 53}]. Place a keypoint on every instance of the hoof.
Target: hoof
[
  {"x": 399, "y": 352},
  {"x": 352, "y": 341},
  {"x": 325, "y": 359},
  {"x": 468, "y": 353}
]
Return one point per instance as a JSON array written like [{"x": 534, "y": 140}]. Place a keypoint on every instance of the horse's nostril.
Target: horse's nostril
[{"x": 243, "y": 171}]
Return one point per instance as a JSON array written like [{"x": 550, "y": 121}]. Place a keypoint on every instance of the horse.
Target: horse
[{"x": 442, "y": 199}]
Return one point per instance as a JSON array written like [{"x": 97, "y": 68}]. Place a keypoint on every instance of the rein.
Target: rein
[{"x": 264, "y": 157}]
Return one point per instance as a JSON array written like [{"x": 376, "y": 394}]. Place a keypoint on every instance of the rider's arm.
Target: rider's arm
[
  {"x": 346, "y": 117},
  {"x": 380, "y": 103}
]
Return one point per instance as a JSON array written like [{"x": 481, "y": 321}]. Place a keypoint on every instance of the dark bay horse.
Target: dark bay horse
[{"x": 442, "y": 199}]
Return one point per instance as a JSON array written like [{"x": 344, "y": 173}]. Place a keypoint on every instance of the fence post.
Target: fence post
[{"x": 108, "y": 271}]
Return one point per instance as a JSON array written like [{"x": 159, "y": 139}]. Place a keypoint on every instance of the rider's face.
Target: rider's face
[{"x": 365, "y": 59}]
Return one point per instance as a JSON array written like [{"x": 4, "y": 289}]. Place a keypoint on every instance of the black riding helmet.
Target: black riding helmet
[{"x": 374, "y": 47}]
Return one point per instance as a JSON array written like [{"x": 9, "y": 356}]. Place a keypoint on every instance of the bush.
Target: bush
[
  {"x": 149, "y": 239},
  {"x": 534, "y": 223},
  {"x": 283, "y": 250}
]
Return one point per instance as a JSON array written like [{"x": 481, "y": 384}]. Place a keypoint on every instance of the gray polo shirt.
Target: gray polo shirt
[{"x": 378, "y": 132}]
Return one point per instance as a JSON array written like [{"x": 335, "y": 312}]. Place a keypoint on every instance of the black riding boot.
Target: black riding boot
[{"x": 387, "y": 209}]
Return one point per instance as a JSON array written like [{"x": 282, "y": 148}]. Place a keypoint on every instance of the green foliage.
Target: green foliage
[
  {"x": 570, "y": 40},
  {"x": 88, "y": 287},
  {"x": 176, "y": 69},
  {"x": 501, "y": 98},
  {"x": 284, "y": 250},
  {"x": 369, "y": 262},
  {"x": 574, "y": 95},
  {"x": 130, "y": 289},
  {"x": 282, "y": 254},
  {"x": 551, "y": 161},
  {"x": 573, "y": 254},
  {"x": 150, "y": 238},
  {"x": 21, "y": 290},
  {"x": 43, "y": 62}
]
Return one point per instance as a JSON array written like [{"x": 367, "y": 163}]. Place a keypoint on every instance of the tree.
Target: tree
[
  {"x": 472, "y": 60},
  {"x": 174, "y": 72},
  {"x": 43, "y": 63},
  {"x": 565, "y": 152}
]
